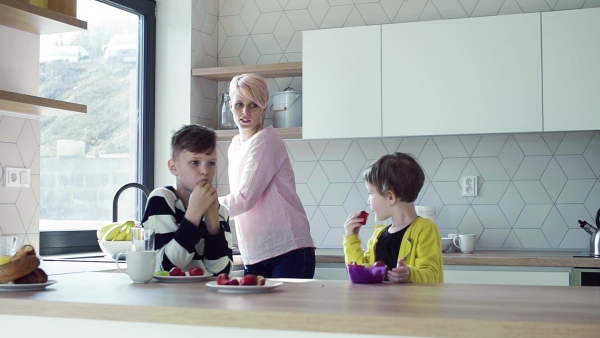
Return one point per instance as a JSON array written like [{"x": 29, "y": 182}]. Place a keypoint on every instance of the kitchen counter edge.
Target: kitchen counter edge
[{"x": 494, "y": 258}]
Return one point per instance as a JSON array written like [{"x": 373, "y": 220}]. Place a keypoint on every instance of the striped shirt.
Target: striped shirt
[{"x": 179, "y": 242}]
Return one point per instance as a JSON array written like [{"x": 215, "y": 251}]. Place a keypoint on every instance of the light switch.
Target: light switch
[{"x": 25, "y": 178}]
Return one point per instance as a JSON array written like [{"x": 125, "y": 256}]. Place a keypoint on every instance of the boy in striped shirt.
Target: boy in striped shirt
[{"x": 191, "y": 228}]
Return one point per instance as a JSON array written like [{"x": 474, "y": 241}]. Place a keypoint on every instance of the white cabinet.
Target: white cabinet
[
  {"x": 466, "y": 76},
  {"x": 475, "y": 274},
  {"x": 342, "y": 83},
  {"x": 456, "y": 274},
  {"x": 331, "y": 273},
  {"x": 571, "y": 67}
]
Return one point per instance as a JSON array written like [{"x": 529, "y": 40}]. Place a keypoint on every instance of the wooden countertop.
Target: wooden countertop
[
  {"x": 323, "y": 306},
  {"x": 494, "y": 258}
]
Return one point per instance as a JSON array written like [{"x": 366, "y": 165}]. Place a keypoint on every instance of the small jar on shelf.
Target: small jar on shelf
[{"x": 225, "y": 115}]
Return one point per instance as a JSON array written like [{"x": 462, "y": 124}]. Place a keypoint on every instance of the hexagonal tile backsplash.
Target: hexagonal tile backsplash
[
  {"x": 19, "y": 207},
  {"x": 534, "y": 205},
  {"x": 533, "y": 187}
]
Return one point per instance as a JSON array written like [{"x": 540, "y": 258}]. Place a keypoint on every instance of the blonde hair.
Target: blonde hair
[{"x": 251, "y": 87}]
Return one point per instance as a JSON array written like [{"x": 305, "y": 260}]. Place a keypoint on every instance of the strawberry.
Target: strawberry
[
  {"x": 379, "y": 263},
  {"x": 176, "y": 272},
  {"x": 196, "y": 271},
  {"x": 233, "y": 281},
  {"x": 364, "y": 215},
  {"x": 249, "y": 279},
  {"x": 223, "y": 279}
]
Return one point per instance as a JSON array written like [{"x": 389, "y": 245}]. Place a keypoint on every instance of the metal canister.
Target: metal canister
[{"x": 287, "y": 109}]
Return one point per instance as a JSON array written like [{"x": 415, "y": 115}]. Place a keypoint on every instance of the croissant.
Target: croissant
[
  {"x": 18, "y": 268},
  {"x": 36, "y": 276},
  {"x": 26, "y": 250}
]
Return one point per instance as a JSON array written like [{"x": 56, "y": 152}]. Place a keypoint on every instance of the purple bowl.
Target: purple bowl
[{"x": 367, "y": 274}]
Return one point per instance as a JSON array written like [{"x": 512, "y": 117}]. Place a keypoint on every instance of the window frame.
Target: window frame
[{"x": 81, "y": 241}]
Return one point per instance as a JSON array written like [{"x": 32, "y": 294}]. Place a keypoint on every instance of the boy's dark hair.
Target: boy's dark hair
[
  {"x": 193, "y": 138},
  {"x": 397, "y": 172}
]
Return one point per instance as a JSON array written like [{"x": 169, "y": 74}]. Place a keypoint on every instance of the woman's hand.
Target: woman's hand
[
  {"x": 353, "y": 224},
  {"x": 399, "y": 274}
]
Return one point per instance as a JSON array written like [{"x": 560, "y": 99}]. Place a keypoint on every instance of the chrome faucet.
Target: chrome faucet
[
  {"x": 594, "y": 233},
  {"x": 118, "y": 193}
]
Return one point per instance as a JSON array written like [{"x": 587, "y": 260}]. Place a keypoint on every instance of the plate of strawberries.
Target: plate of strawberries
[
  {"x": 177, "y": 275},
  {"x": 248, "y": 284}
]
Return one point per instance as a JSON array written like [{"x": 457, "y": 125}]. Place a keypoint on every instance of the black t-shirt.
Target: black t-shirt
[{"x": 388, "y": 247}]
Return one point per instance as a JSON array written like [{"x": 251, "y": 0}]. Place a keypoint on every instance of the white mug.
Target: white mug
[
  {"x": 140, "y": 265},
  {"x": 466, "y": 243},
  {"x": 453, "y": 248}
]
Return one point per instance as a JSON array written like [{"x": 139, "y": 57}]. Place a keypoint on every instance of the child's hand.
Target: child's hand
[
  {"x": 202, "y": 197},
  {"x": 211, "y": 218},
  {"x": 353, "y": 223},
  {"x": 399, "y": 274}
]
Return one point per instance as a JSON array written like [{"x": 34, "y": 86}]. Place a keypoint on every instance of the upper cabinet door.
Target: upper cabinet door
[
  {"x": 465, "y": 76},
  {"x": 341, "y": 77},
  {"x": 571, "y": 59}
]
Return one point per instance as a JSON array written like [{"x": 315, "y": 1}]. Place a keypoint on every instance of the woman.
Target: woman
[{"x": 271, "y": 224}]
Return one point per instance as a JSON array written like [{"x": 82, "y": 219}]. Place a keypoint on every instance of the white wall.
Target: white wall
[
  {"x": 19, "y": 137},
  {"x": 173, "y": 68},
  {"x": 19, "y": 71}
]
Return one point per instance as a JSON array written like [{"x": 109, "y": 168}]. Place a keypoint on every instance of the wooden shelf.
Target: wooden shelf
[
  {"x": 33, "y": 19},
  {"x": 35, "y": 106},
  {"x": 285, "y": 133},
  {"x": 272, "y": 70}
]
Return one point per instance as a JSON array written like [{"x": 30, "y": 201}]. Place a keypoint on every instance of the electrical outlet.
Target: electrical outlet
[
  {"x": 17, "y": 177},
  {"x": 469, "y": 185}
]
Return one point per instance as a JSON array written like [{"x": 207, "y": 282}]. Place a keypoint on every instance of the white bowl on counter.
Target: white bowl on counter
[
  {"x": 112, "y": 248},
  {"x": 446, "y": 244}
]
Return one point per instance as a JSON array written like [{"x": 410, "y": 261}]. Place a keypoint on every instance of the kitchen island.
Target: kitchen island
[{"x": 320, "y": 306}]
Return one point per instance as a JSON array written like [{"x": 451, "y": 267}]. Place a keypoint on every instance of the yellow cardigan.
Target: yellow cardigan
[{"x": 425, "y": 253}]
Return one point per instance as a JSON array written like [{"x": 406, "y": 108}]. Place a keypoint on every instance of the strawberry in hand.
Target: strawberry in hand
[{"x": 364, "y": 215}]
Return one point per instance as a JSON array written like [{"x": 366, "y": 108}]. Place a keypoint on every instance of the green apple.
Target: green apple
[{"x": 161, "y": 273}]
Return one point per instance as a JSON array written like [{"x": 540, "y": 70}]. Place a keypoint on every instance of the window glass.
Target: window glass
[{"x": 85, "y": 158}]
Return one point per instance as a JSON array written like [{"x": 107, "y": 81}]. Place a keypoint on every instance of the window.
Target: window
[{"x": 85, "y": 159}]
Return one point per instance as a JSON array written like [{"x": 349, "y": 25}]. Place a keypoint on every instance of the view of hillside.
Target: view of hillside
[
  {"x": 98, "y": 79},
  {"x": 85, "y": 158},
  {"x": 104, "y": 89}
]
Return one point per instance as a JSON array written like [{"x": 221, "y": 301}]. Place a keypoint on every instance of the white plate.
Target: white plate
[
  {"x": 269, "y": 285},
  {"x": 26, "y": 287},
  {"x": 182, "y": 279}
]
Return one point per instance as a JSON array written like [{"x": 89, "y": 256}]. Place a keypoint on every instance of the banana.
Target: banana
[
  {"x": 110, "y": 234},
  {"x": 124, "y": 231},
  {"x": 127, "y": 225},
  {"x": 100, "y": 232},
  {"x": 120, "y": 236},
  {"x": 129, "y": 231},
  {"x": 128, "y": 236}
]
